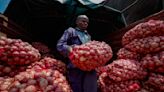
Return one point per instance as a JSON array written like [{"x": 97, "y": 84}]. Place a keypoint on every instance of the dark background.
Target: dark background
[{"x": 45, "y": 20}]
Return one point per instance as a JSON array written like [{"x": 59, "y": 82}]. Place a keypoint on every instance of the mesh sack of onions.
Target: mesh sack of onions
[
  {"x": 7, "y": 70},
  {"x": 156, "y": 81},
  {"x": 17, "y": 52},
  {"x": 154, "y": 62},
  {"x": 41, "y": 47},
  {"x": 142, "y": 30},
  {"x": 106, "y": 84},
  {"x": 46, "y": 80},
  {"x": 123, "y": 53},
  {"x": 90, "y": 55},
  {"x": 49, "y": 63},
  {"x": 5, "y": 83},
  {"x": 146, "y": 45},
  {"x": 123, "y": 70},
  {"x": 101, "y": 70}
]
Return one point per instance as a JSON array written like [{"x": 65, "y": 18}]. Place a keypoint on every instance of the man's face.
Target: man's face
[{"x": 82, "y": 23}]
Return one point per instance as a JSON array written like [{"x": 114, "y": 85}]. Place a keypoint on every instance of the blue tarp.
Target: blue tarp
[{"x": 3, "y": 5}]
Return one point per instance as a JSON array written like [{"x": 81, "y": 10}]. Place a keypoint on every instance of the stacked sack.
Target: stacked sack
[
  {"x": 121, "y": 75},
  {"x": 48, "y": 62},
  {"x": 17, "y": 52},
  {"x": 23, "y": 70},
  {"x": 47, "y": 80},
  {"x": 15, "y": 56},
  {"x": 144, "y": 45},
  {"x": 91, "y": 55}
]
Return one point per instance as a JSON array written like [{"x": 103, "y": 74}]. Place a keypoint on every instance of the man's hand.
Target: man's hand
[{"x": 70, "y": 49}]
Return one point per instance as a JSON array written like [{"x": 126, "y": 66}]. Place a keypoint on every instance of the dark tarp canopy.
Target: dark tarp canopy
[{"x": 133, "y": 10}]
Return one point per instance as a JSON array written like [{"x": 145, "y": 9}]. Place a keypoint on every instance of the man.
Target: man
[{"x": 80, "y": 81}]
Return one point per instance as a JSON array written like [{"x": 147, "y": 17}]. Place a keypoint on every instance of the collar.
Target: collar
[{"x": 85, "y": 31}]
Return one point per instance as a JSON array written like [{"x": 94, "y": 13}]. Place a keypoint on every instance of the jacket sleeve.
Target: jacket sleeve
[{"x": 62, "y": 44}]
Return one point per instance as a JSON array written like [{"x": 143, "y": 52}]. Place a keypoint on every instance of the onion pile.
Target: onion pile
[
  {"x": 28, "y": 72},
  {"x": 121, "y": 76},
  {"x": 17, "y": 52},
  {"x": 49, "y": 63},
  {"x": 33, "y": 81},
  {"x": 8, "y": 70},
  {"x": 143, "y": 30},
  {"x": 146, "y": 45},
  {"x": 141, "y": 54},
  {"x": 123, "y": 53},
  {"x": 146, "y": 40},
  {"x": 156, "y": 81},
  {"x": 101, "y": 70},
  {"x": 90, "y": 55},
  {"x": 5, "y": 83},
  {"x": 108, "y": 85},
  {"x": 41, "y": 47},
  {"x": 123, "y": 70},
  {"x": 154, "y": 62}
]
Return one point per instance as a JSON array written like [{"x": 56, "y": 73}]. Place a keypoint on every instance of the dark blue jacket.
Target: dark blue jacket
[
  {"x": 71, "y": 37},
  {"x": 81, "y": 81}
]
